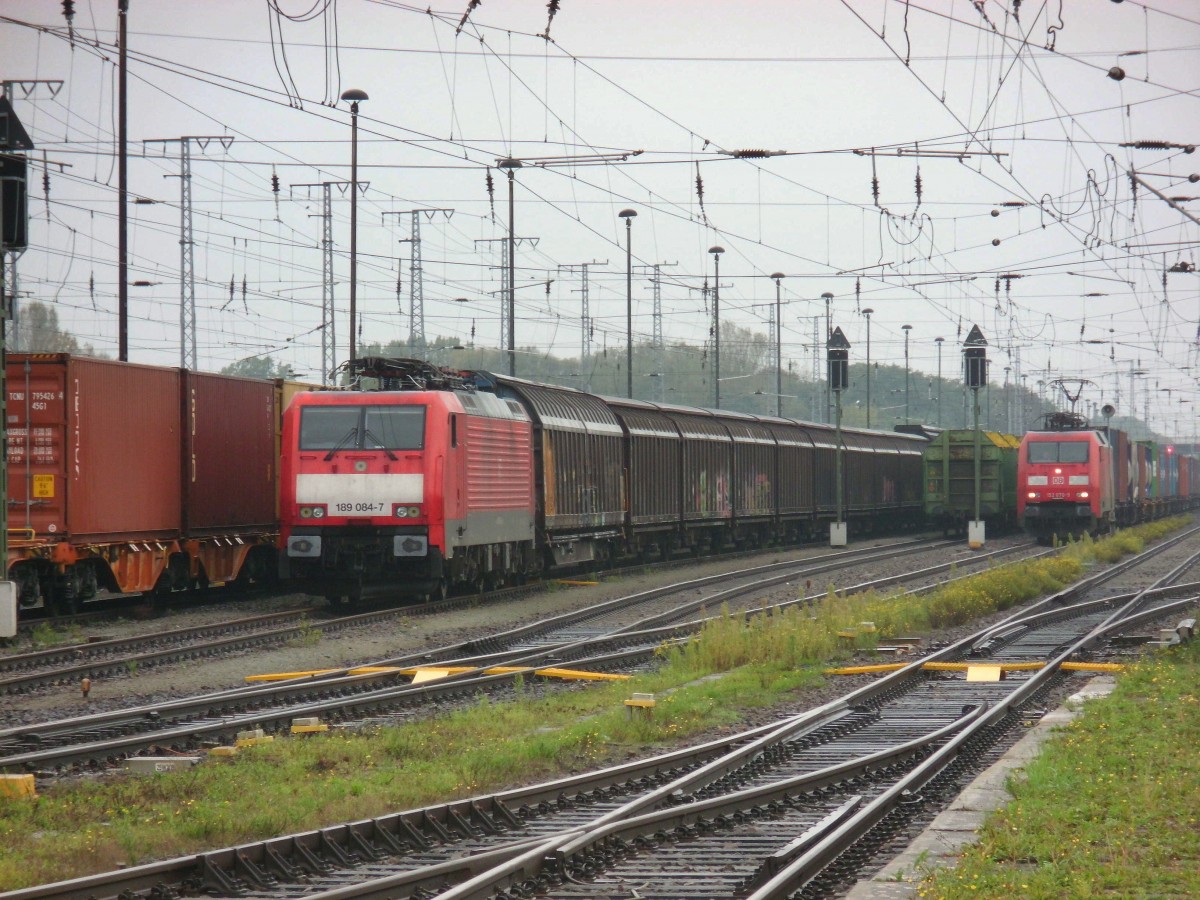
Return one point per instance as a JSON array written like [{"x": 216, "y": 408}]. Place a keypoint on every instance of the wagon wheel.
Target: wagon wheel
[{"x": 440, "y": 591}]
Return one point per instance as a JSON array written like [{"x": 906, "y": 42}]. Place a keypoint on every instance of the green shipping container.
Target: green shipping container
[{"x": 949, "y": 479}]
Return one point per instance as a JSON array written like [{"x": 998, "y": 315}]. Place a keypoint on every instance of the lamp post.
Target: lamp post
[
  {"x": 778, "y": 276},
  {"x": 510, "y": 166},
  {"x": 828, "y": 298},
  {"x": 354, "y": 95},
  {"x": 837, "y": 350},
  {"x": 907, "y": 329},
  {"x": 868, "y": 312},
  {"x": 628, "y": 215},
  {"x": 975, "y": 366},
  {"x": 716, "y": 252},
  {"x": 939, "y": 341}
]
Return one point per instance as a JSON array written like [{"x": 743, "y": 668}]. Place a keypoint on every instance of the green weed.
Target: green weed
[{"x": 1109, "y": 808}]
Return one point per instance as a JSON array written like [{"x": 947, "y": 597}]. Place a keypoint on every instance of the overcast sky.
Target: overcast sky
[{"x": 1013, "y": 126}]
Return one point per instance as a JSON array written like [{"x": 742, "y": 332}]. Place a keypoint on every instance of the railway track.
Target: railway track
[
  {"x": 67, "y": 664},
  {"x": 345, "y": 696},
  {"x": 792, "y": 809}
]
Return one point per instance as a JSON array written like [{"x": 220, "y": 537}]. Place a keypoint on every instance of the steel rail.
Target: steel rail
[
  {"x": 807, "y": 867},
  {"x": 159, "y": 715},
  {"x": 866, "y": 694},
  {"x": 110, "y": 664}
]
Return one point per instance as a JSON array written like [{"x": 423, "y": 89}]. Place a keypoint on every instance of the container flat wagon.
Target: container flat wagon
[{"x": 135, "y": 478}]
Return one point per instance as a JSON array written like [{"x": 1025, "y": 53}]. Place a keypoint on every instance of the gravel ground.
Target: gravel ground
[{"x": 402, "y": 635}]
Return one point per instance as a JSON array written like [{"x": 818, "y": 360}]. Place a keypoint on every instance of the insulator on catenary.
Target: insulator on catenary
[
  {"x": 68, "y": 8},
  {"x": 491, "y": 191}
]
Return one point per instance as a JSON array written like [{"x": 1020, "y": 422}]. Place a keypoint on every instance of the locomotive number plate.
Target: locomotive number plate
[{"x": 372, "y": 509}]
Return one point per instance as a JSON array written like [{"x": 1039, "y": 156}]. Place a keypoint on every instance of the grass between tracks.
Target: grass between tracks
[
  {"x": 1111, "y": 806},
  {"x": 293, "y": 785}
]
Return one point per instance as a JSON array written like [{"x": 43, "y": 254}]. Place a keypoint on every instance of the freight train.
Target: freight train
[
  {"x": 442, "y": 481},
  {"x": 142, "y": 479},
  {"x": 137, "y": 479},
  {"x": 1074, "y": 479}
]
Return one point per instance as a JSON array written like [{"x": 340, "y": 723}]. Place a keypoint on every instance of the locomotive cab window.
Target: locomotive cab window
[
  {"x": 362, "y": 428},
  {"x": 323, "y": 428},
  {"x": 1058, "y": 452}
]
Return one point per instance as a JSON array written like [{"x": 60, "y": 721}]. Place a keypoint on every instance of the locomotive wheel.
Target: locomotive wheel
[{"x": 439, "y": 593}]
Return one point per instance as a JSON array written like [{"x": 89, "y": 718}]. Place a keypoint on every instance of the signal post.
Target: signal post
[{"x": 975, "y": 374}]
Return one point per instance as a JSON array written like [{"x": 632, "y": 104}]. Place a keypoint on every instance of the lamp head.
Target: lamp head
[
  {"x": 778, "y": 276},
  {"x": 509, "y": 163},
  {"x": 827, "y": 296},
  {"x": 868, "y": 312},
  {"x": 628, "y": 214},
  {"x": 716, "y": 251},
  {"x": 354, "y": 95}
]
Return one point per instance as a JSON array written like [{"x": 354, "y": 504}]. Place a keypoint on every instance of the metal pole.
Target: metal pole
[
  {"x": 867, "y": 312},
  {"x": 828, "y": 297},
  {"x": 628, "y": 215},
  {"x": 353, "y": 224},
  {"x": 187, "y": 281},
  {"x": 716, "y": 254},
  {"x": 978, "y": 454},
  {"x": 907, "y": 329},
  {"x": 838, "y": 438},
  {"x": 354, "y": 95},
  {"x": 939, "y": 341},
  {"x": 122, "y": 190},
  {"x": 778, "y": 276},
  {"x": 510, "y": 166}
]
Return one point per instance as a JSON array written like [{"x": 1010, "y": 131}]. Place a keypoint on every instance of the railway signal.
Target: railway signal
[{"x": 975, "y": 374}]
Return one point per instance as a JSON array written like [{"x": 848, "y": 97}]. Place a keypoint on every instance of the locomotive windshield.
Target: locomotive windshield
[
  {"x": 336, "y": 428},
  {"x": 1058, "y": 451}
]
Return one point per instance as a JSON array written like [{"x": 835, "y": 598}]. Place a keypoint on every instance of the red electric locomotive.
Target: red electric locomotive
[
  {"x": 1065, "y": 483},
  {"x": 409, "y": 489}
]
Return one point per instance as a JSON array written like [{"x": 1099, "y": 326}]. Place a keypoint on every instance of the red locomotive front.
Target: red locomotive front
[
  {"x": 403, "y": 492},
  {"x": 1065, "y": 483}
]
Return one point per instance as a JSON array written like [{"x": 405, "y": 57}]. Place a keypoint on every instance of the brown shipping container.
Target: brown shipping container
[
  {"x": 229, "y": 454},
  {"x": 94, "y": 448}
]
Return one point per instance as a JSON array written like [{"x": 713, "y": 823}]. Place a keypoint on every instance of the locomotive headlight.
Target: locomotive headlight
[
  {"x": 401, "y": 512},
  {"x": 1033, "y": 495},
  {"x": 414, "y": 511},
  {"x": 406, "y": 512},
  {"x": 1083, "y": 495},
  {"x": 312, "y": 512},
  {"x": 318, "y": 512}
]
